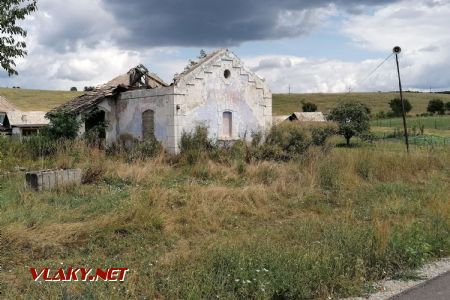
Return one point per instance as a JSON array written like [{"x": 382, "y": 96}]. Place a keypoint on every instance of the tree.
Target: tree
[
  {"x": 436, "y": 106},
  {"x": 309, "y": 106},
  {"x": 73, "y": 89},
  {"x": 11, "y": 47},
  {"x": 63, "y": 125},
  {"x": 352, "y": 118},
  {"x": 447, "y": 106},
  {"x": 396, "y": 106},
  {"x": 89, "y": 88}
]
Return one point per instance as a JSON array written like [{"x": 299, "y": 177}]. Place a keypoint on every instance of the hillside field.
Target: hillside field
[
  {"x": 28, "y": 100},
  {"x": 285, "y": 104}
]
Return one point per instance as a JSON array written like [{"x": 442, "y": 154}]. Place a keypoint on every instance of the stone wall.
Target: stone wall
[{"x": 47, "y": 180}]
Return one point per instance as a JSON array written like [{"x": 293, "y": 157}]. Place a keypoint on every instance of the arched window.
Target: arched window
[
  {"x": 148, "y": 124},
  {"x": 227, "y": 124}
]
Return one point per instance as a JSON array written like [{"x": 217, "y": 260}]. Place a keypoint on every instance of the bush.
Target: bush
[
  {"x": 436, "y": 106},
  {"x": 196, "y": 144},
  {"x": 309, "y": 106},
  {"x": 396, "y": 106},
  {"x": 63, "y": 125},
  {"x": 143, "y": 150},
  {"x": 320, "y": 133},
  {"x": 291, "y": 137}
]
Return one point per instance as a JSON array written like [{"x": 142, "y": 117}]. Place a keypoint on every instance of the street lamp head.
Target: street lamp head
[{"x": 397, "y": 50}]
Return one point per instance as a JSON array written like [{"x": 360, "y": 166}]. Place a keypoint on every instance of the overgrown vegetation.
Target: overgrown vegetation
[{"x": 214, "y": 222}]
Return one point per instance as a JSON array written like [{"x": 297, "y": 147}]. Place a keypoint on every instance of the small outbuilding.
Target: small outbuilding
[
  {"x": 308, "y": 117},
  {"x": 23, "y": 123}
]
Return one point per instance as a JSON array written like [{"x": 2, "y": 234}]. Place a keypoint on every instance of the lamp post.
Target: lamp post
[{"x": 397, "y": 51}]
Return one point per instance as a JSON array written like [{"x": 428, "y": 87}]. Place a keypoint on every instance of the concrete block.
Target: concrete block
[{"x": 47, "y": 180}]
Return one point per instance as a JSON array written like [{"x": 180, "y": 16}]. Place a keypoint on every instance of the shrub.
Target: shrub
[
  {"x": 291, "y": 137},
  {"x": 94, "y": 172},
  {"x": 436, "y": 106},
  {"x": 143, "y": 150},
  {"x": 63, "y": 125},
  {"x": 396, "y": 106},
  {"x": 309, "y": 107},
  {"x": 320, "y": 133},
  {"x": 196, "y": 144}
]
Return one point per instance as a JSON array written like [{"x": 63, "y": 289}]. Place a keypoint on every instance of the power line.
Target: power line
[{"x": 374, "y": 70}]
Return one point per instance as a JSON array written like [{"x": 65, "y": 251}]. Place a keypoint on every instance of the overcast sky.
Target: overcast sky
[{"x": 314, "y": 46}]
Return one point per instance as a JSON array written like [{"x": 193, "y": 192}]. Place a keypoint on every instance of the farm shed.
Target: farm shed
[
  {"x": 217, "y": 91},
  {"x": 19, "y": 123},
  {"x": 308, "y": 117}
]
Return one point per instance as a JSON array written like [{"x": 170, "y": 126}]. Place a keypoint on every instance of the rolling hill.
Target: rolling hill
[
  {"x": 28, "y": 100},
  {"x": 283, "y": 104}
]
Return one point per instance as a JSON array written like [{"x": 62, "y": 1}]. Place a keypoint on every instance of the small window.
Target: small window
[
  {"x": 227, "y": 124},
  {"x": 227, "y": 74},
  {"x": 148, "y": 125}
]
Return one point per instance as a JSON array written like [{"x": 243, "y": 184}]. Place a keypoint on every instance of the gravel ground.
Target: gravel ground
[{"x": 389, "y": 288}]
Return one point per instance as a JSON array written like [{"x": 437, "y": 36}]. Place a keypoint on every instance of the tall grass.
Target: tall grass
[{"x": 322, "y": 224}]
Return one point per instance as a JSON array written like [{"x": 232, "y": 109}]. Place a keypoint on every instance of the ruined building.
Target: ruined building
[{"x": 217, "y": 92}]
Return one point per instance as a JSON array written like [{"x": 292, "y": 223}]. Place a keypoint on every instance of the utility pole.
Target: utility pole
[{"x": 397, "y": 51}]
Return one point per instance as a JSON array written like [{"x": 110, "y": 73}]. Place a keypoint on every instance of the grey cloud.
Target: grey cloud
[
  {"x": 212, "y": 23},
  {"x": 200, "y": 23}
]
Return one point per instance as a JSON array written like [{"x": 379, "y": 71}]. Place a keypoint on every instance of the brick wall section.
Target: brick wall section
[{"x": 48, "y": 180}]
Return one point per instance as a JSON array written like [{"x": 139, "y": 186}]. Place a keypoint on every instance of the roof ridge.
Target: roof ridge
[{"x": 197, "y": 64}]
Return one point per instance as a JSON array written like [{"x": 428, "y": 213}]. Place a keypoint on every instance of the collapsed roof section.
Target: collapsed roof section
[{"x": 137, "y": 78}]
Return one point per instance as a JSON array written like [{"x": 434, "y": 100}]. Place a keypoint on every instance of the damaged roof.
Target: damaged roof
[
  {"x": 26, "y": 118},
  {"x": 111, "y": 89}
]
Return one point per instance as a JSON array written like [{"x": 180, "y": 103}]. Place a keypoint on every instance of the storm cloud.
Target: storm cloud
[{"x": 199, "y": 23}]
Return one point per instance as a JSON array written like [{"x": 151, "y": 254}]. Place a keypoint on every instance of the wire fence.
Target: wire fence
[{"x": 419, "y": 140}]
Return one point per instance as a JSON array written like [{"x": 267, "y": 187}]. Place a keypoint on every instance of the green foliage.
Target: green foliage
[
  {"x": 96, "y": 134},
  {"x": 396, "y": 107},
  {"x": 447, "y": 106},
  {"x": 143, "y": 150},
  {"x": 320, "y": 133},
  {"x": 352, "y": 118},
  {"x": 130, "y": 149},
  {"x": 309, "y": 107},
  {"x": 196, "y": 144},
  {"x": 436, "y": 106},
  {"x": 74, "y": 89},
  {"x": 63, "y": 125},
  {"x": 12, "y": 11}
]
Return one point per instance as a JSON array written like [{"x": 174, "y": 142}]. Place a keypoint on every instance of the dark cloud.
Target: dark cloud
[{"x": 217, "y": 23}]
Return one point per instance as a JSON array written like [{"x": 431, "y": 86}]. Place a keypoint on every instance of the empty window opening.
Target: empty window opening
[
  {"x": 227, "y": 74},
  {"x": 95, "y": 124},
  {"x": 227, "y": 124},
  {"x": 148, "y": 125}
]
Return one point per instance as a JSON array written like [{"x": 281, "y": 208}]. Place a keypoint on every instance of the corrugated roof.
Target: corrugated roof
[{"x": 26, "y": 118}]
